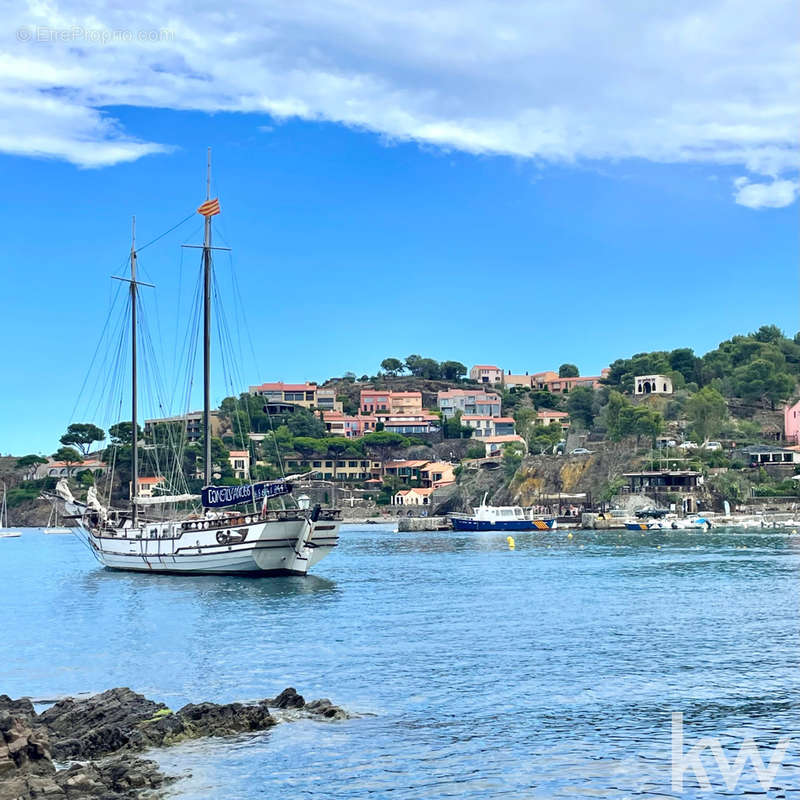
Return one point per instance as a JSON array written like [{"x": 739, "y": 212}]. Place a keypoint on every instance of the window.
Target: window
[{"x": 317, "y": 464}]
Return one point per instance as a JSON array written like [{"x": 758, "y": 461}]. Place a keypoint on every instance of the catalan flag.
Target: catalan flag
[{"x": 209, "y": 208}]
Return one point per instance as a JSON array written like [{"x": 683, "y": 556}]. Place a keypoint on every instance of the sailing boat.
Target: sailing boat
[
  {"x": 234, "y": 532},
  {"x": 5, "y": 531},
  {"x": 52, "y": 523}
]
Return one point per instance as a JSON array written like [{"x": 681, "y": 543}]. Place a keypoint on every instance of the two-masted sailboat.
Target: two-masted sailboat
[{"x": 233, "y": 530}]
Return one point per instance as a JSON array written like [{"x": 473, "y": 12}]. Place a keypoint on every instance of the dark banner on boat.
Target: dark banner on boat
[{"x": 221, "y": 496}]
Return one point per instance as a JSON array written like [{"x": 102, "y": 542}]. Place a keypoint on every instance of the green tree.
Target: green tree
[
  {"x": 308, "y": 445},
  {"x": 580, "y": 406},
  {"x": 82, "y": 435},
  {"x": 760, "y": 379},
  {"x": 392, "y": 366},
  {"x": 29, "y": 464},
  {"x": 707, "y": 412},
  {"x": 513, "y": 453},
  {"x": 69, "y": 455},
  {"x": 121, "y": 433},
  {"x": 543, "y": 438},
  {"x": 614, "y": 414},
  {"x": 452, "y": 370},
  {"x": 301, "y": 422},
  {"x": 684, "y": 360},
  {"x": 383, "y": 442},
  {"x": 524, "y": 418},
  {"x": 568, "y": 371}
]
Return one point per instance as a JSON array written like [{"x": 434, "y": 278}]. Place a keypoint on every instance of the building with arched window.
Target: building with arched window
[{"x": 652, "y": 384}]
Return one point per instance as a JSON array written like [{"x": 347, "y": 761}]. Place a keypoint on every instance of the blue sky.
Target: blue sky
[{"x": 355, "y": 239}]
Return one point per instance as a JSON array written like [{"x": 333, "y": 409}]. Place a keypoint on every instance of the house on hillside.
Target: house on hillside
[
  {"x": 437, "y": 473},
  {"x": 517, "y": 381},
  {"x": 298, "y": 394},
  {"x": 406, "y": 424},
  {"x": 351, "y": 427},
  {"x": 468, "y": 401},
  {"x": 374, "y": 401},
  {"x": 146, "y": 486},
  {"x": 652, "y": 384},
  {"x": 486, "y": 373},
  {"x": 762, "y": 455},
  {"x": 59, "y": 469},
  {"x": 484, "y": 425},
  {"x": 405, "y": 471},
  {"x": 240, "y": 464},
  {"x": 413, "y": 497},
  {"x": 494, "y": 444},
  {"x": 192, "y": 424},
  {"x": 546, "y": 416},
  {"x": 791, "y": 423}
]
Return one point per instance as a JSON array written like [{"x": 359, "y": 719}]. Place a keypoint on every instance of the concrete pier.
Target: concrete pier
[{"x": 410, "y": 524}]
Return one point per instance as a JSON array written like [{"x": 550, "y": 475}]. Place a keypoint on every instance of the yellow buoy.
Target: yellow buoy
[
  {"x": 569, "y": 536},
  {"x": 511, "y": 544}
]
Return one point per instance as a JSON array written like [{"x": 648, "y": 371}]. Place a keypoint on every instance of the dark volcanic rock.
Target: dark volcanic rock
[
  {"x": 210, "y": 719},
  {"x": 108, "y": 728},
  {"x": 324, "y": 708},
  {"x": 288, "y": 698},
  {"x": 97, "y": 725}
]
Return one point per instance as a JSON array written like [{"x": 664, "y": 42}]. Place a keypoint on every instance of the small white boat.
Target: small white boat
[
  {"x": 52, "y": 523},
  {"x": 5, "y": 531}
]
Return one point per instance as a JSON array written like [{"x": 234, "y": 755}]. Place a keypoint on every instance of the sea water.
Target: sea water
[{"x": 475, "y": 670}]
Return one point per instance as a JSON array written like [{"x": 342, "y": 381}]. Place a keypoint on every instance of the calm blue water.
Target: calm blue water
[{"x": 547, "y": 671}]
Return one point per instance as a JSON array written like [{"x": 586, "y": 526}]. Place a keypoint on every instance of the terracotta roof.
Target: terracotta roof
[
  {"x": 284, "y": 387},
  {"x": 470, "y": 392},
  {"x": 394, "y": 464},
  {"x": 416, "y": 490},
  {"x": 239, "y": 453},
  {"x": 486, "y": 366},
  {"x": 151, "y": 481},
  {"x": 545, "y": 412},
  {"x": 499, "y": 439}
]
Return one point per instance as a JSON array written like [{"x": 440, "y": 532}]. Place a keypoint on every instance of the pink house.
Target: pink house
[
  {"x": 374, "y": 401},
  {"x": 339, "y": 424},
  {"x": 791, "y": 423}
]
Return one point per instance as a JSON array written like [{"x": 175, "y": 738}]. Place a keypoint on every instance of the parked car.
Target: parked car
[
  {"x": 688, "y": 446},
  {"x": 580, "y": 451},
  {"x": 712, "y": 446}
]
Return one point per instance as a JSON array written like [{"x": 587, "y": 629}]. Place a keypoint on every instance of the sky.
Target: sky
[{"x": 521, "y": 185}]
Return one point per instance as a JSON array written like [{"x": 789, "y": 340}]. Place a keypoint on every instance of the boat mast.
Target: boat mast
[
  {"x": 134, "y": 410},
  {"x": 207, "y": 330}
]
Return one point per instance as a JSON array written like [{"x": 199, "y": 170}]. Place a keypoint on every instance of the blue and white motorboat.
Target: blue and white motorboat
[{"x": 501, "y": 518}]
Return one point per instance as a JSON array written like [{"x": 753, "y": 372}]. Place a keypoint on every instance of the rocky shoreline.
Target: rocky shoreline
[{"x": 100, "y": 737}]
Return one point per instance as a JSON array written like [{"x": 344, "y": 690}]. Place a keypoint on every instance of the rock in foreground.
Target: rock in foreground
[{"x": 107, "y": 729}]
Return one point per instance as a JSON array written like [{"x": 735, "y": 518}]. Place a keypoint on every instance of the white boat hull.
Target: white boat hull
[{"x": 271, "y": 547}]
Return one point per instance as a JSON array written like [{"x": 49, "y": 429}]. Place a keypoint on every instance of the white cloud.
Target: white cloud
[
  {"x": 776, "y": 194},
  {"x": 711, "y": 81}
]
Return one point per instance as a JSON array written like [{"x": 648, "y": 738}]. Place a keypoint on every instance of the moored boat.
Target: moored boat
[
  {"x": 232, "y": 529},
  {"x": 501, "y": 518},
  {"x": 5, "y": 531}
]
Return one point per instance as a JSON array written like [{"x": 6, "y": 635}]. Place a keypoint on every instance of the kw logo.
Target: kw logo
[{"x": 731, "y": 772}]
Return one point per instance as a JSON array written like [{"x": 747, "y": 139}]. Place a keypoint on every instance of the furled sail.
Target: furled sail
[
  {"x": 164, "y": 499},
  {"x": 93, "y": 503},
  {"x": 63, "y": 491}
]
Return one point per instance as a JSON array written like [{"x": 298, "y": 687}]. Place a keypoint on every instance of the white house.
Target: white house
[{"x": 652, "y": 384}]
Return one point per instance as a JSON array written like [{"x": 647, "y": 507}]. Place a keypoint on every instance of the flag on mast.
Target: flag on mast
[{"x": 209, "y": 208}]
